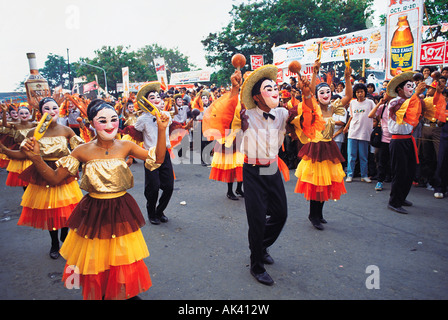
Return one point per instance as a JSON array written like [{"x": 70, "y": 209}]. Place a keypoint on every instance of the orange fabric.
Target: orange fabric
[
  {"x": 197, "y": 103},
  {"x": 219, "y": 116},
  {"x": 117, "y": 283},
  {"x": 46, "y": 219},
  {"x": 441, "y": 113}
]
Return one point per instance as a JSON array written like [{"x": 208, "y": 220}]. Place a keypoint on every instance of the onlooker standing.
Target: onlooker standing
[
  {"x": 381, "y": 112},
  {"x": 359, "y": 128}
]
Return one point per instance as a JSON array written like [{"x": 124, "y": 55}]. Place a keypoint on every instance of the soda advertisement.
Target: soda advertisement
[
  {"x": 256, "y": 61},
  {"x": 404, "y": 25}
]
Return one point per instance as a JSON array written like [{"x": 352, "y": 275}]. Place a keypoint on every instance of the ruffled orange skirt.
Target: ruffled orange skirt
[
  {"x": 227, "y": 166},
  {"x": 320, "y": 173},
  {"x": 105, "y": 249},
  {"x": 15, "y": 168},
  {"x": 47, "y": 207}
]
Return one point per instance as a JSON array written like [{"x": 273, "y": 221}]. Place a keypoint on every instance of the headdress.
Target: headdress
[{"x": 268, "y": 71}]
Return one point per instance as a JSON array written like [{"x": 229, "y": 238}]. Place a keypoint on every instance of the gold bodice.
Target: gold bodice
[{"x": 53, "y": 148}]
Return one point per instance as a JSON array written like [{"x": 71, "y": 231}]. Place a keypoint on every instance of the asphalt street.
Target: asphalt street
[{"x": 366, "y": 251}]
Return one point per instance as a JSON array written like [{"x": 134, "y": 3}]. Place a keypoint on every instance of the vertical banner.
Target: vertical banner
[
  {"x": 404, "y": 25},
  {"x": 159, "y": 64},
  {"x": 256, "y": 61},
  {"x": 125, "y": 75}
]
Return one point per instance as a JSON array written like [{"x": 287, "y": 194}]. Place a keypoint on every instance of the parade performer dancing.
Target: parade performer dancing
[
  {"x": 162, "y": 177},
  {"x": 404, "y": 113},
  {"x": 227, "y": 161},
  {"x": 263, "y": 129},
  {"x": 48, "y": 205},
  {"x": 320, "y": 173},
  {"x": 19, "y": 131},
  {"x": 105, "y": 246}
]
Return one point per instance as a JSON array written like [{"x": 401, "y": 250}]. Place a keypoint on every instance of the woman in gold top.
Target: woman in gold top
[
  {"x": 18, "y": 130},
  {"x": 47, "y": 205},
  {"x": 320, "y": 173},
  {"x": 105, "y": 247}
]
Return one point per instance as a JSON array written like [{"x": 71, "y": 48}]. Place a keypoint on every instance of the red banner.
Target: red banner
[
  {"x": 256, "y": 61},
  {"x": 434, "y": 53}
]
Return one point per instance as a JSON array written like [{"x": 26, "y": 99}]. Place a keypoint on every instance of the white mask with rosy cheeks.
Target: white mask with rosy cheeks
[
  {"x": 408, "y": 89},
  {"x": 269, "y": 92},
  {"x": 13, "y": 114},
  {"x": 155, "y": 99},
  {"x": 106, "y": 124},
  {"x": 24, "y": 114},
  {"x": 205, "y": 100},
  {"x": 52, "y": 109},
  {"x": 324, "y": 95}
]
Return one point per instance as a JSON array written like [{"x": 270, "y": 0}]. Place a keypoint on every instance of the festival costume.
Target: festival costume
[
  {"x": 320, "y": 173},
  {"x": 17, "y": 166},
  {"x": 7, "y": 139},
  {"x": 227, "y": 161},
  {"x": 105, "y": 245},
  {"x": 47, "y": 206}
]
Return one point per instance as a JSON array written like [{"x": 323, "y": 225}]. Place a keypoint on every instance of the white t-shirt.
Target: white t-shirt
[
  {"x": 340, "y": 137},
  {"x": 361, "y": 125}
]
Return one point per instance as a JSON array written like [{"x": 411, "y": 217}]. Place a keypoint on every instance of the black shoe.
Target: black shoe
[
  {"x": 163, "y": 218},
  {"x": 322, "y": 220},
  {"x": 54, "y": 252},
  {"x": 232, "y": 196},
  {"x": 240, "y": 193},
  {"x": 397, "y": 209},
  {"x": 154, "y": 220},
  {"x": 263, "y": 278},
  {"x": 407, "y": 203},
  {"x": 135, "y": 298},
  {"x": 267, "y": 259},
  {"x": 317, "y": 224}
]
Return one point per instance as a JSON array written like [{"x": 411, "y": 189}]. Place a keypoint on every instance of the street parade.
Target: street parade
[{"x": 314, "y": 170}]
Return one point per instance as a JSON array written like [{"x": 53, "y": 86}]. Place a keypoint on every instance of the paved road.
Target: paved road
[{"x": 202, "y": 252}]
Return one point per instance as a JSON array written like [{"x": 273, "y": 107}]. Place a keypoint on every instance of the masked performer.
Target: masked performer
[
  {"x": 262, "y": 126},
  {"x": 105, "y": 247},
  {"x": 18, "y": 130},
  {"x": 320, "y": 173},
  {"x": 47, "y": 205},
  {"x": 404, "y": 113},
  {"x": 163, "y": 177}
]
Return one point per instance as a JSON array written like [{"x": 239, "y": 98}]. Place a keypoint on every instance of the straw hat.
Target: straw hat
[
  {"x": 268, "y": 71},
  {"x": 147, "y": 88},
  {"x": 392, "y": 85}
]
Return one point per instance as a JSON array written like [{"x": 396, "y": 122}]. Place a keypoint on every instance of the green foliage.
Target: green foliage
[
  {"x": 140, "y": 63},
  {"x": 257, "y": 26}
]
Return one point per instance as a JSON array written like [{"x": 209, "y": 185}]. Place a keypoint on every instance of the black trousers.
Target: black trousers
[
  {"x": 161, "y": 178},
  {"x": 264, "y": 195},
  {"x": 383, "y": 162},
  {"x": 403, "y": 165}
]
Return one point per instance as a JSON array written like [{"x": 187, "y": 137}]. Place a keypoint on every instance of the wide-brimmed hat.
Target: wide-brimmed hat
[
  {"x": 147, "y": 88},
  {"x": 268, "y": 71},
  {"x": 392, "y": 85}
]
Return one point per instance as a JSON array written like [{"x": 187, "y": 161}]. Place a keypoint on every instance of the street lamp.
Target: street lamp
[{"x": 105, "y": 79}]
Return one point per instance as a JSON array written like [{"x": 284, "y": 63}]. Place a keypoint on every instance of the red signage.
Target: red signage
[
  {"x": 433, "y": 53},
  {"x": 256, "y": 61}
]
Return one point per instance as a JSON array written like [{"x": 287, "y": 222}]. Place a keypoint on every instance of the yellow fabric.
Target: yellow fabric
[
  {"x": 43, "y": 197},
  {"x": 93, "y": 256},
  {"x": 106, "y": 176},
  {"x": 70, "y": 163},
  {"x": 150, "y": 162},
  {"x": 111, "y": 195},
  {"x": 18, "y": 166},
  {"x": 53, "y": 147},
  {"x": 75, "y": 141},
  {"x": 319, "y": 173},
  {"x": 227, "y": 161}
]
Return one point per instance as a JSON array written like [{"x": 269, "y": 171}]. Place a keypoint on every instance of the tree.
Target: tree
[
  {"x": 437, "y": 12},
  {"x": 55, "y": 71},
  {"x": 140, "y": 63},
  {"x": 257, "y": 26}
]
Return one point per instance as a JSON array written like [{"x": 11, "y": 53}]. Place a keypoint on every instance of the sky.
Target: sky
[{"x": 83, "y": 26}]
